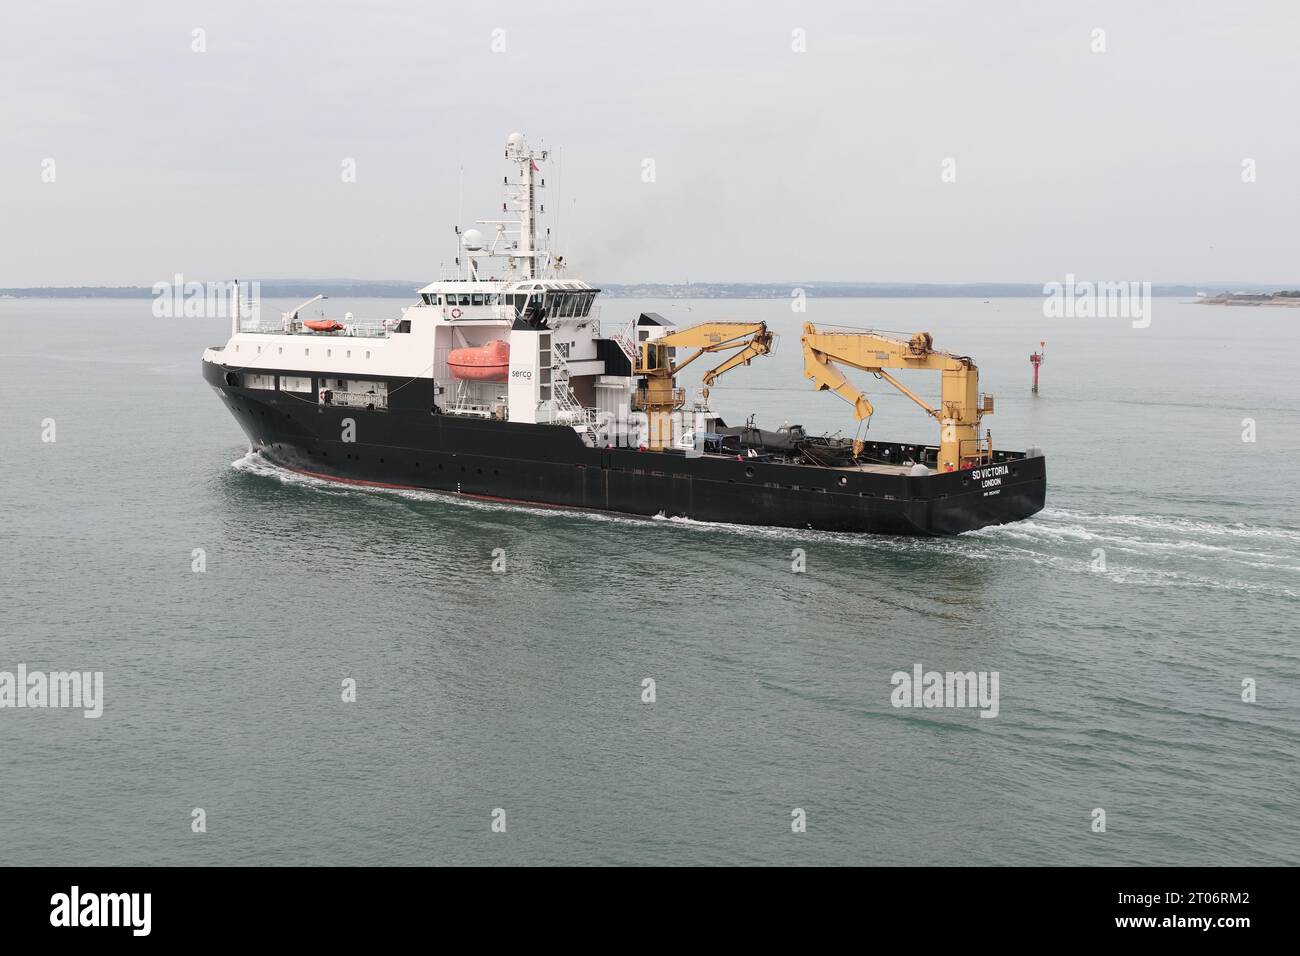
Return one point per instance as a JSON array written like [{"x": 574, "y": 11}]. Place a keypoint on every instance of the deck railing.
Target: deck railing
[
  {"x": 360, "y": 330},
  {"x": 358, "y": 400},
  {"x": 642, "y": 396}
]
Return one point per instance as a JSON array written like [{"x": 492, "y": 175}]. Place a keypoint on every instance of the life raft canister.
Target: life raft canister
[{"x": 481, "y": 363}]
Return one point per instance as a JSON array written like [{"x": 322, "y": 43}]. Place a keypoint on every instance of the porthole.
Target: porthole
[
  {"x": 843, "y": 480},
  {"x": 749, "y": 472}
]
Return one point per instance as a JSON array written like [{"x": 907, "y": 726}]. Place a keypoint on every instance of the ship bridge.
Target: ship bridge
[{"x": 469, "y": 299}]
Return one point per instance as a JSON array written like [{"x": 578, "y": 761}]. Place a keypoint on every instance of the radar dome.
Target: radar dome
[
  {"x": 515, "y": 142},
  {"x": 472, "y": 239}
]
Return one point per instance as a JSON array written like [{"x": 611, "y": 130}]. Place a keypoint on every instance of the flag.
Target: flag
[{"x": 536, "y": 169}]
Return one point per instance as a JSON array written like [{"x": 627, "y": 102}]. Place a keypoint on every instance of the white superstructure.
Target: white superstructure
[{"x": 508, "y": 287}]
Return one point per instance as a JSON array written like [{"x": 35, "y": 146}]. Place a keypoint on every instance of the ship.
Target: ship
[{"x": 500, "y": 383}]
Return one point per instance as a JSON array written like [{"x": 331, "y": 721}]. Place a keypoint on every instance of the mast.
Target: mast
[
  {"x": 524, "y": 200},
  {"x": 517, "y": 240},
  {"x": 527, "y": 211}
]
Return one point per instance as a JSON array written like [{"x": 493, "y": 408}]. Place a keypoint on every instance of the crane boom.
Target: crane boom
[
  {"x": 960, "y": 405},
  {"x": 290, "y": 318},
  {"x": 659, "y": 397}
]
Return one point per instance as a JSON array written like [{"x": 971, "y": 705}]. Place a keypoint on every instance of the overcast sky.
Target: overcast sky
[{"x": 770, "y": 164}]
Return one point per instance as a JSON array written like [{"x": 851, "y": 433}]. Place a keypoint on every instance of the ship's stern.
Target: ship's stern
[{"x": 1009, "y": 490}]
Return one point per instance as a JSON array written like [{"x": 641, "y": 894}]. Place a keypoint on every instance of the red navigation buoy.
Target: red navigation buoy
[{"x": 1036, "y": 359}]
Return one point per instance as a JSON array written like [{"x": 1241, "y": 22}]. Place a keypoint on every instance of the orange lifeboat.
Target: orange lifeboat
[
  {"x": 481, "y": 363},
  {"x": 324, "y": 325}
]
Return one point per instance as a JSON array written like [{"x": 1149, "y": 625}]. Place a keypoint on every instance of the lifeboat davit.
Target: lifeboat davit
[
  {"x": 481, "y": 363},
  {"x": 324, "y": 325}
]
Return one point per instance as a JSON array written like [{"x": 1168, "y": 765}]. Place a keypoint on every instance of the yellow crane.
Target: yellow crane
[
  {"x": 659, "y": 397},
  {"x": 960, "y": 405}
]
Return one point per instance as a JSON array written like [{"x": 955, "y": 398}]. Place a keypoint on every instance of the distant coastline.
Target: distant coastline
[
  {"x": 1246, "y": 294},
  {"x": 1286, "y": 299}
]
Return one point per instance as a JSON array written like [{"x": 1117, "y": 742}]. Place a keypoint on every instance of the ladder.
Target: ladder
[
  {"x": 561, "y": 394},
  {"x": 626, "y": 345}
]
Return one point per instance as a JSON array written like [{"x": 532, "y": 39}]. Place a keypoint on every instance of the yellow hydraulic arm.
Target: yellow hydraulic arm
[
  {"x": 960, "y": 406},
  {"x": 660, "y": 396}
]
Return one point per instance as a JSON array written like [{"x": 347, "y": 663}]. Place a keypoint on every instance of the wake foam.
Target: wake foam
[{"x": 1159, "y": 551}]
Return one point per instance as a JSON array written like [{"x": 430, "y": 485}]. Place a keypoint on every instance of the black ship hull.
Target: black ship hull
[{"x": 411, "y": 445}]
